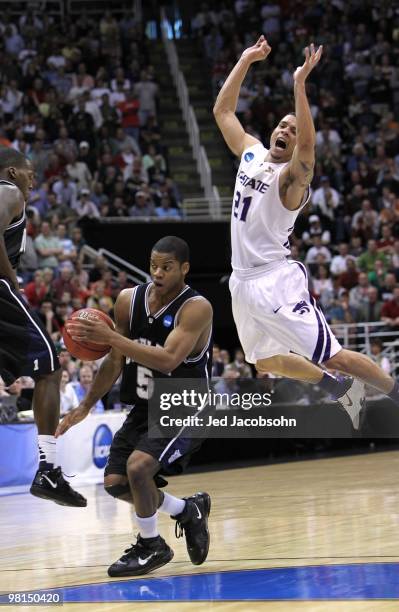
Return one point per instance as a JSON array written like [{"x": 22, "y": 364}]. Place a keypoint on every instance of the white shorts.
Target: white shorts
[{"x": 275, "y": 315}]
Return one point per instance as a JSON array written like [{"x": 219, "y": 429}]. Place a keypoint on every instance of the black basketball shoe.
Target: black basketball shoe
[
  {"x": 193, "y": 521},
  {"x": 143, "y": 557},
  {"x": 50, "y": 484}
]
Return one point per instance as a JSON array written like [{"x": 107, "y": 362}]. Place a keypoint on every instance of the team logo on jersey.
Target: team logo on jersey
[
  {"x": 248, "y": 157},
  {"x": 167, "y": 320},
  {"x": 270, "y": 170},
  {"x": 301, "y": 308}
]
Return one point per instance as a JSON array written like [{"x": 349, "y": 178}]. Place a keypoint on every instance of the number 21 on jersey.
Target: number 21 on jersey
[{"x": 246, "y": 203}]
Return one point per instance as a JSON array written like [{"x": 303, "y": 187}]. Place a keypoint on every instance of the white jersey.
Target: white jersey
[{"x": 260, "y": 224}]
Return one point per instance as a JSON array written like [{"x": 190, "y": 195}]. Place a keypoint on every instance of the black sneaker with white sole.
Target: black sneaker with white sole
[
  {"x": 50, "y": 484},
  {"x": 193, "y": 522},
  {"x": 143, "y": 557}
]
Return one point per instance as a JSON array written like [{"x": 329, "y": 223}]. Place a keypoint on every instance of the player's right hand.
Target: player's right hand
[
  {"x": 259, "y": 51},
  {"x": 71, "y": 418}
]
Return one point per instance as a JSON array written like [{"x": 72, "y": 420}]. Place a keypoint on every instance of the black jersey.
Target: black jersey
[
  {"x": 152, "y": 330},
  {"x": 15, "y": 235}
]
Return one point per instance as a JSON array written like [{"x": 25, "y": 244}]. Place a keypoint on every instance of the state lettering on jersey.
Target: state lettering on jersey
[{"x": 255, "y": 184}]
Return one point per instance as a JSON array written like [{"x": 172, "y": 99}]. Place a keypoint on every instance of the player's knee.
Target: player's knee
[
  {"x": 139, "y": 470},
  {"x": 271, "y": 365},
  {"x": 340, "y": 361},
  {"x": 116, "y": 486}
]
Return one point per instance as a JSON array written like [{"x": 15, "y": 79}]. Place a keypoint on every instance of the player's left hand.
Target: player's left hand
[
  {"x": 89, "y": 330},
  {"x": 312, "y": 58}
]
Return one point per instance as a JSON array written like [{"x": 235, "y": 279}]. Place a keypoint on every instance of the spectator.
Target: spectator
[
  {"x": 48, "y": 247},
  {"x": 65, "y": 190},
  {"x": 36, "y": 291},
  {"x": 322, "y": 282},
  {"x": 376, "y": 355},
  {"x": 338, "y": 262},
  {"x": 318, "y": 253},
  {"x": 166, "y": 210},
  {"x": 130, "y": 109},
  {"x": 366, "y": 261},
  {"x": 315, "y": 229},
  {"x": 386, "y": 289},
  {"x": 83, "y": 387},
  {"x": 359, "y": 294},
  {"x": 370, "y": 309},
  {"x": 147, "y": 94},
  {"x": 343, "y": 311},
  {"x": 142, "y": 206},
  {"x": 227, "y": 386},
  {"x": 244, "y": 370},
  {"x": 326, "y": 199},
  {"x": 85, "y": 207},
  {"x": 68, "y": 395},
  {"x": 217, "y": 363},
  {"x": 64, "y": 283},
  {"x": 79, "y": 173},
  {"x": 390, "y": 311}
]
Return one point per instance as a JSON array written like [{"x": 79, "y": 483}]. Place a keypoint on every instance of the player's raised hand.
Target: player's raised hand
[
  {"x": 312, "y": 58},
  {"x": 259, "y": 51},
  {"x": 72, "y": 418}
]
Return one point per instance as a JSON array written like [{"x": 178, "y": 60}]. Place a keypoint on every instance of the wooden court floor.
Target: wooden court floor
[{"x": 319, "y": 512}]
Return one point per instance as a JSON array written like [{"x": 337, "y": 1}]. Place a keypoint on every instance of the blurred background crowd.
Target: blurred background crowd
[{"x": 80, "y": 99}]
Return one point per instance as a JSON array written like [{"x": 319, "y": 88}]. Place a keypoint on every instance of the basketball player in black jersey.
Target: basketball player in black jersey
[
  {"x": 25, "y": 346},
  {"x": 163, "y": 328}
]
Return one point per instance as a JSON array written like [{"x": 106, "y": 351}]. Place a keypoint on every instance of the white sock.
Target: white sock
[
  {"x": 47, "y": 450},
  {"x": 172, "y": 505},
  {"x": 148, "y": 526}
]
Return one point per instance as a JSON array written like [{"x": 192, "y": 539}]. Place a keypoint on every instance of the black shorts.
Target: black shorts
[
  {"x": 172, "y": 453},
  {"x": 26, "y": 349}
]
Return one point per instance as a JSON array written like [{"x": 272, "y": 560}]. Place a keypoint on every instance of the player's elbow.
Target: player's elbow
[{"x": 169, "y": 363}]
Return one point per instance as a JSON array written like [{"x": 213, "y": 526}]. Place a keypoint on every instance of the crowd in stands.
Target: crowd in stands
[
  {"x": 80, "y": 99},
  {"x": 348, "y": 236}
]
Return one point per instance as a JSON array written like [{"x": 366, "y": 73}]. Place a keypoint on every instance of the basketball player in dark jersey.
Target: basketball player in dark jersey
[
  {"x": 25, "y": 346},
  {"x": 163, "y": 328}
]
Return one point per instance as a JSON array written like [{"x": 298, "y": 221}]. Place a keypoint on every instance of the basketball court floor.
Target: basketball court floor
[{"x": 319, "y": 535}]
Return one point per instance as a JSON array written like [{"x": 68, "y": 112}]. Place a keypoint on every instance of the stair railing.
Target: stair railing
[{"x": 199, "y": 153}]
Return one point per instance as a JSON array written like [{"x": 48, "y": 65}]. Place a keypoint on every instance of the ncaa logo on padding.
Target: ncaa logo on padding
[
  {"x": 167, "y": 320},
  {"x": 101, "y": 444},
  {"x": 248, "y": 156}
]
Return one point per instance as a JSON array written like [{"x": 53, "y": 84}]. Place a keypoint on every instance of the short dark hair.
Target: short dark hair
[
  {"x": 11, "y": 157},
  {"x": 175, "y": 245}
]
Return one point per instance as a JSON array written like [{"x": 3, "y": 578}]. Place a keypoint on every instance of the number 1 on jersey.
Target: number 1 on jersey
[{"x": 245, "y": 206}]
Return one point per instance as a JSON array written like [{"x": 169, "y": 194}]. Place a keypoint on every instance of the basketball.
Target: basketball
[{"x": 87, "y": 351}]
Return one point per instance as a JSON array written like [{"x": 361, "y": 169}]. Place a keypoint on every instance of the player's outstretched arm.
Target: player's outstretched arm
[
  {"x": 108, "y": 372},
  {"x": 295, "y": 179},
  {"x": 12, "y": 204},
  {"x": 195, "y": 317},
  {"x": 226, "y": 102}
]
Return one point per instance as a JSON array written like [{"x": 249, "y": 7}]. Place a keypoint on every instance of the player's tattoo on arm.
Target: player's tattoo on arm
[
  {"x": 307, "y": 170},
  {"x": 288, "y": 181}
]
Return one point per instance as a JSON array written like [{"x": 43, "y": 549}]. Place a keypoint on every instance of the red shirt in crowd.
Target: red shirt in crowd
[
  {"x": 390, "y": 309},
  {"x": 129, "y": 110}
]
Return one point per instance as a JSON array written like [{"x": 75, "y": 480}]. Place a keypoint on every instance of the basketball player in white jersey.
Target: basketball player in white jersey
[{"x": 280, "y": 327}]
